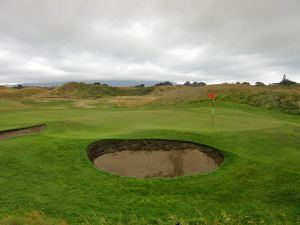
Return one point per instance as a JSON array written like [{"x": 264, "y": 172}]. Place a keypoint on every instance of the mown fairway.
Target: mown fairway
[{"x": 49, "y": 173}]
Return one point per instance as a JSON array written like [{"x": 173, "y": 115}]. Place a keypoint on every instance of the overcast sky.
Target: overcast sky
[{"x": 198, "y": 40}]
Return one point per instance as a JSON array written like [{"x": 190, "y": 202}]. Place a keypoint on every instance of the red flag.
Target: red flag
[{"x": 211, "y": 95}]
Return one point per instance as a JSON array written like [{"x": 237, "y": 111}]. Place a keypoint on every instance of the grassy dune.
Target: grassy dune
[
  {"x": 286, "y": 99},
  {"x": 276, "y": 97},
  {"x": 46, "y": 178},
  {"x": 17, "y": 94},
  {"x": 82, "y": 90}
]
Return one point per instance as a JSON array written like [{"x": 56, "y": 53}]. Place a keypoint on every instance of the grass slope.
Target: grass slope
[
  {"x": 17, "y": 94},
  {"x": 82, "y": 90},
  {"x": 277, "y": 97},
  {"x": 47, "y": 179}
]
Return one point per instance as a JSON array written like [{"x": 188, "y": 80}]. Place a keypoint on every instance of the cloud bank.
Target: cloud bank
[{"x": 198, "y": 40}]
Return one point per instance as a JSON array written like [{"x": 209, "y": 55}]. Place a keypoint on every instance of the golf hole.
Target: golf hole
[{"x": 153, "y": 158}]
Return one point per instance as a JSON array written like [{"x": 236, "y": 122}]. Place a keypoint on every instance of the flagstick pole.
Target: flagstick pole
[{"x": 212, "y": 112}]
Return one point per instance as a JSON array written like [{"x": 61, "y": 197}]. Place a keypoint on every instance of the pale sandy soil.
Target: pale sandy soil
[{"x": 143, "y": 164}]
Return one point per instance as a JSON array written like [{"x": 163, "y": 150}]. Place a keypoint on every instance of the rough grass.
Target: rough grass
[
  {"x": 82, "y": 90},
  {"x": 49, "y": 173},
  {"x": 133, "y": 101},
  {"x": 275, "y": 97},
  {"x": 17, "y": 94},
  {"x": 286, "y": 99}
]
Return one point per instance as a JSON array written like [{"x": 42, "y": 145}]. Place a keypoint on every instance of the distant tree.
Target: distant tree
[
  {"x": 187, "y": 83},
  {"x": 140, "y": 85},
  {"x": 201, "y": 84},
  {"x": 260, "y": 84},
  {"x": 97, "y": 83},
  {"x": 238, "y": 82},
  {"x": 246, "y": 83},
  {"x": 194, "y": 84},
  {"x": 106, "y": 85},
  {"x": 19, "y": 86},
  {"x": 167, "y": 83}
]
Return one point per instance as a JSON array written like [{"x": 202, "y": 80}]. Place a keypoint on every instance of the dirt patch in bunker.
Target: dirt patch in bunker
[
  {"x": 145, "y": 158},
  {"x": 6, "y": 134}
]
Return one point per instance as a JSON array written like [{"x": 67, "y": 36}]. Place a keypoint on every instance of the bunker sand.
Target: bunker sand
[
  {"x": 143, "y": 164},
  {"x": 6, "y": 134},
  {"x": 154, "y": 158}
]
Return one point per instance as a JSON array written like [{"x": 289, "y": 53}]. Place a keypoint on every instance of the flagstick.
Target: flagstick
[
  {"x": 212, "y": 112},
  {"x": 212, "y": 96}
]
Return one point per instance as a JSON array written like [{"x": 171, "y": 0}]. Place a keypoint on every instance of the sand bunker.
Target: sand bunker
[
  {"x": 153, "y": 158},
  {"x": 5, "y": 134}
]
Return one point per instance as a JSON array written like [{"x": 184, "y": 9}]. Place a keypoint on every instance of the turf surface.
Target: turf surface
[{"x": 259, "y": 181}]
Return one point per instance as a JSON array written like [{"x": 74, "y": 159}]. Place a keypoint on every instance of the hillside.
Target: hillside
[
  {"x": 17, "y": 94},
  {"x": 83, "y": 90},
  {"x": 278, "y": 97},
  {"x": 286, "y": 99}
]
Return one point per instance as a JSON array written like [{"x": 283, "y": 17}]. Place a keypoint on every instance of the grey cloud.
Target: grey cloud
[{"x": 201, "y": 40}]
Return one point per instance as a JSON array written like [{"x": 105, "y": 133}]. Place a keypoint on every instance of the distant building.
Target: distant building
[
  {"x": 286, "y": 81},
  {"x": 283, "y": 78}
]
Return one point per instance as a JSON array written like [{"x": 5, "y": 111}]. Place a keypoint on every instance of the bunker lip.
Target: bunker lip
[
  {"x": 117, "y": 155},
  {"x": 17, "y": 132}
]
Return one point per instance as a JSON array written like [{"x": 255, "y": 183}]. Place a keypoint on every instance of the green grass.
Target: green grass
[{"x": 47, "y": 179}]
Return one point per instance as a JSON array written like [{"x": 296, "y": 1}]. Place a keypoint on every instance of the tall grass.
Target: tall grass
[
  {"x": 12, "y": 93},
  {"x": 286, "y": 99}
]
